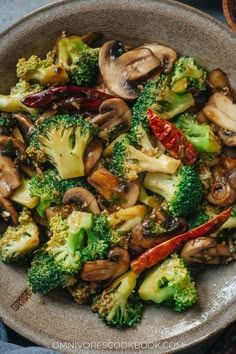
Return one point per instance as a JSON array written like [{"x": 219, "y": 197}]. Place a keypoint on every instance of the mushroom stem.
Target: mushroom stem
[{"x": 206, "y": 250}]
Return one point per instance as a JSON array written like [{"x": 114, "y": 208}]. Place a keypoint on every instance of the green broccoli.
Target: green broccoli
[
  {"x": 200, "y": 135},
  {"x": 22, "y": 195},
  {"x": 169, "y": 283},
  {"x": 208, "y": 212},
  {"x": 182, "y": 192},
  {"x": 79, "y": 60},
  {"x": 77, "y": 239},
  {"x": 98, "y": 239},
  {"x": 83, "y": 292},
  {"x": 68, "y": 239},
  {"x": 62, "y": 141},
  {"x": 12, "y": 103},
  {"x": 118, "y": 306},
  {"x": 158, "y": 96},
  {"x": 188, "y": 73},
  {"x": 45, "y": 275},
  {"x": 198, "y": 219},
  {"x": 49, "y": 188},
  {"x": 45, "y": 72},
  {"x": 18, "y": 242},
  {"x": 128, "y": 161}
]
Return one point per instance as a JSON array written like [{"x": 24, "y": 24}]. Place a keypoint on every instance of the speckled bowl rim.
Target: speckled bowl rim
[{"x": 214, "y": 327}]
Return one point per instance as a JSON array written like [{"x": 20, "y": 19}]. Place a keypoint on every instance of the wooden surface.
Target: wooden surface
[{"x": 229, "y": 8}]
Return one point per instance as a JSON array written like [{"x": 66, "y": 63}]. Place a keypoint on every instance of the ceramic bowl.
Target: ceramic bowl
[{"x": 55, "y": 318}]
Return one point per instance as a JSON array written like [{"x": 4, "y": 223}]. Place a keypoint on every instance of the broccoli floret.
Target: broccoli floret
[
  {"x": 200, "y": 135},
  {"x": 208, "y": 212},
  {"x": 158, "y": 95},
  {"x": 42, "y": 71},
  {"x": 98, "y": 239},
  {"x": 169, "y": 283},
  {"x": 198, "y": 219},
  {"x": 79, "y": 60},
  {"x": 22, "y": 195},
  {"x": 12, "y": 103},
  {"x": 18, "y": 242},
  {"x": 49, "y": 188},
  {"x": 63, "y": 140},
  {"x": 77, "y": 239},
  {"x": 7, "y": 123},
  {"x": 82, "y": 292},
  {"x": 68, "y": 240},
  {"x": 188, "y": 73},
  {"x": 145, "y": 100},
  {"x": 45, "y": 275},
  {"x": 128, "y": 161},
  {"x": 118, "y": 306},
  {"x": 182, "y": 192}
]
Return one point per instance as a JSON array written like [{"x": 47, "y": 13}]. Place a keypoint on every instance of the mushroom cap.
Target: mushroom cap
[
  {"x": 117, "y": 264},
  {"x": 165, "y": 54},
  {"x": 25, "y": 124},
  {"x": 221, "y": 194},
  {"x": 9, "y": 176},
  {"x": 228, "y": 137},
  {"x": 191, "y": 252},
  {"x": 8, "y": 210},
  {"x": 120, "y": 72},
  {"x": 113, "y": 112},
  {"x": 221, "y": 110},
  {"x": 81, "y": 197}
]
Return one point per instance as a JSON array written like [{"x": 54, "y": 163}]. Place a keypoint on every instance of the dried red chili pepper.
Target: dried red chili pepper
[
  {"x": 90, "y": 98},
  {"x": 172, "y": 138},
  {"x": 156, "y": 254}
]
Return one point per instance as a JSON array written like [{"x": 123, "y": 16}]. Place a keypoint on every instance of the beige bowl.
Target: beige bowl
[{"x": 56, "y": 318}]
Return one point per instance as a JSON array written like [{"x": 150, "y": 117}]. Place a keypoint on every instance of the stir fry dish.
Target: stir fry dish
[{"x": 118, "y": 174}]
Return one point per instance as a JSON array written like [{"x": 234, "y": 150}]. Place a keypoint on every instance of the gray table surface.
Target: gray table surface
[{"x": 12, "y": 10}]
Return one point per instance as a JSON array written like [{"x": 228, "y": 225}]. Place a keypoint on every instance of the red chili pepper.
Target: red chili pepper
[
  {"x": 90, "y": 98},
  {"x": 156, "y": 254},
  {"x": 172, "y": 139}
]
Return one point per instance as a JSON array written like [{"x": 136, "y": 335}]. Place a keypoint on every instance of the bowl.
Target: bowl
[
  {"x": 229, "y": 8},
  {"x": 55, "y": 321}
]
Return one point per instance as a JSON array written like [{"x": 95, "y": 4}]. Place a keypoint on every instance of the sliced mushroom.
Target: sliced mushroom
[
  {"x": 143, "y": 237},
  {"x": 166, "y": 55},
  {"x": 25, "y": 124},
  {"x": 117, "y": 264},
  {"x": 221, "y": 110},
  {"x": 221, "y": 194},
  {"x": 205, "y": 250},
  {"x": 232, "y": 178},
  {"x": 7, "y": 211},
  {"x": 218, "y": 79},
  {"x": 112, "y": 113},
  {"x": 81, "y": 197},
  {"x": 119, "y": 71},
  {"x": 92, "y": 155},
  {"x": 9, "y": 176},
  {"x": 228, "y": 137},
  {"x": 113, "y": 188},
  {"x": 8, "y": 142}
]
